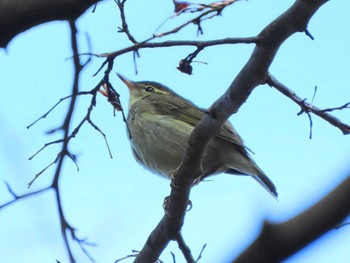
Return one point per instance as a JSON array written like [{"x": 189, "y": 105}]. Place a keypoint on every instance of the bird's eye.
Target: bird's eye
[{"x": 149, "y": 89}]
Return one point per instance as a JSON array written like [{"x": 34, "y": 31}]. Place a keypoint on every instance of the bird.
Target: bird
[{"x": 159, "y": 123}]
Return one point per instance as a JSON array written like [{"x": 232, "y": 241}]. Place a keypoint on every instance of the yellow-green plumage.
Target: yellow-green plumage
[{"x": 160, "y": 122}]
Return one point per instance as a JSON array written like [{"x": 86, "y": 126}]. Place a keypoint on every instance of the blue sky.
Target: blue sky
[{"x": 115, "y": 202}]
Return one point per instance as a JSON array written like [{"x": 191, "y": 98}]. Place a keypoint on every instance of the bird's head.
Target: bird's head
[{"x": 143, "y": 89}]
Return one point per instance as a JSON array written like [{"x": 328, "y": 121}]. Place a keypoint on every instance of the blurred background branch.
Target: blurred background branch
[{"x": 277, "y": 242}]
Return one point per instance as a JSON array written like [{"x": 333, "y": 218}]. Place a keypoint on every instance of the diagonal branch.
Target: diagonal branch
[
  {"x": 276, "y": 242},
  {"x": 308, "y": 107},
  {"x": 295, "y": 19}
]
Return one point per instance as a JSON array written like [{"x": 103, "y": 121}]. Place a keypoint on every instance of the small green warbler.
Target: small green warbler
[{"x": 160, "y": 122}]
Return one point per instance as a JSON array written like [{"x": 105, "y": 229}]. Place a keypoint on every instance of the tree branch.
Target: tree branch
[
  {"x": 277, "y": 242},
  {"x": 16, "y": 16},
  {"x": 19, "y": 197},
  {"x": 184, "y": 64},
  {"x": 308, "y": 107},
  {"x": 64, "y": 152},
  {"x": 295, "y": 19},
  {"x": 125, "y": 27},
  {"x": 66, "y": 228},
  {"x": 198, "y": 44}
]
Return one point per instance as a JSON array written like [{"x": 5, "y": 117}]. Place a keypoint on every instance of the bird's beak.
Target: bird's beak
[{"x": 128, "y": 83}]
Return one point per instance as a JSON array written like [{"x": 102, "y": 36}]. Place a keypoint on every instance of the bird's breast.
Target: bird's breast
[{"x": 159, "y": 141}]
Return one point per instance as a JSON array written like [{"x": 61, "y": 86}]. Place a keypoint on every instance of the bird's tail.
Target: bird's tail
[
  {"x": 260, "y": 177},
  {"x": 265, "y": 182}
]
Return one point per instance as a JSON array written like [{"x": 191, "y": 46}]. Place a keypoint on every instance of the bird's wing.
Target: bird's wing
[{"x": 188, "y": 112}]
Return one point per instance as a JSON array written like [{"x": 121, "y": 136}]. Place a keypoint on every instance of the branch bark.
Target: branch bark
[
  {"x": 295, "y": 19},
  {"x": 17, "y": 16}
]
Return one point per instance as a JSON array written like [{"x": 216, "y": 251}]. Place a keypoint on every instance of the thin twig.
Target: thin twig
[
  {"x": 10, "y": 190},
  {"x": 213, "y": 9},
  {"x": 345, "y": 106},
  {"x": 81, "y": 242},
  {"x": 216, "y": 8},
  {"x": 307, "y": 32},
  {"x": 54, "y": 106},
  {"x": 314, "y": 95},
  {"x": 20, "y": 197},
  {"x": 184, "y": 248},
  {"x": 173, "y": 256},
  {"x": 201, "y": 253},
  {"x": 43, "y": 170},
  {"x": 87, "y": 118},
  {"x": 124, "y": 28},
  {"x": 103, "y": 135},
  {"x": 126, "y": 257}
]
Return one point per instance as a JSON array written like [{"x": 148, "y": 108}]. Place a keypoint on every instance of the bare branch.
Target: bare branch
[
  {"x": 207, "y": 12},
  {"x": 81, "y": 242},
  {"x": 307, "y": 107},
  {"x": 127, "y": 257},
  {"x": 87, "y": 118},
  {"x": 103, "y": 135},
  {"x": 66, "y": 128},
  {"x": 10, "y": 190},
  {"x": 345, "y": 106},
  {"x": 201, "y": 253},
  {"x": 124, "y": 28},
  {"x": 20, "y": 197},
  {"x": 198, "y": 44},
  {"x": 43, "y": 170}
]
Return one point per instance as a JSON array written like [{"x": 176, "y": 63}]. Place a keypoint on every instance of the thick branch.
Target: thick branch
[
  {"x": 278, "y": 241},
  {"x": 295, "y": 19},
  {"x": 16, "y": 16}
]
